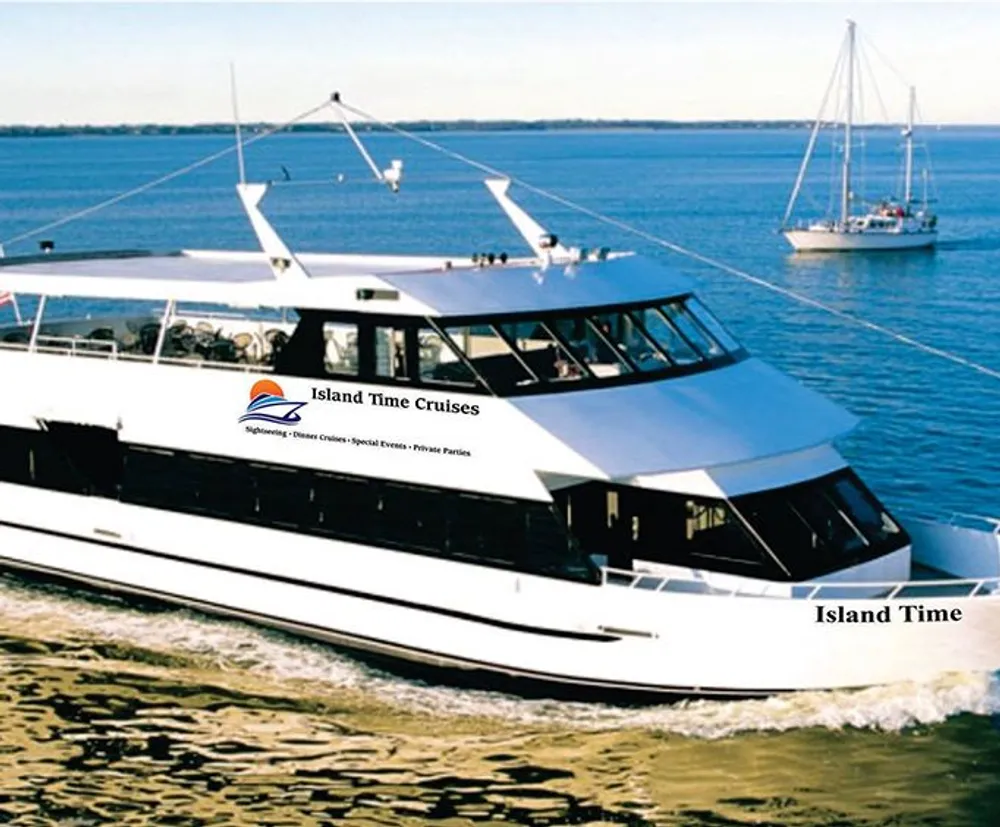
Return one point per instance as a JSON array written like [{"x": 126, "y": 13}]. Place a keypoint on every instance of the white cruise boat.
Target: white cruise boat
[
  {"x": 557, "y": 473},
  {"x": 888, "y": 224}
]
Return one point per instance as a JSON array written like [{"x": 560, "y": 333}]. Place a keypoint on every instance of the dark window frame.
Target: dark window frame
[{"x": 411, "y": 325}]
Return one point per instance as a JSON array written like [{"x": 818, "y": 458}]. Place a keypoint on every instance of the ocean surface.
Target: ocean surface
[{"x": 119, "y": 712}]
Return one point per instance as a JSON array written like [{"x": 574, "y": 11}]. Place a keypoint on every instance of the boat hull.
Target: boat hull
[
  {"x": 500, "y": 629},
  {"x": 824, "y": 240}
]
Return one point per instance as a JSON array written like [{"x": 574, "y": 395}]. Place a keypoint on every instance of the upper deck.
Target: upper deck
[{"x": 386, "y": 285}]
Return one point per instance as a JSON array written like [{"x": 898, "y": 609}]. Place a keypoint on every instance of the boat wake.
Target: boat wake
[
  {"x": 984, "y": 244},
  {"x": 142, "y": 637}
]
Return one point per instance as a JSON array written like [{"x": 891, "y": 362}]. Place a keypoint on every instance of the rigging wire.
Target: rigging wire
[
  {"x": 862, "y": 140},
  {"x": 679, "y": 249},
  {"x": 932, "y": 180},
  {"x": 866, "y": 64},
  {"x": 803, "y": 167},
  {"x": 881, "y": 56},
  {"x": 835, "y": 122},
  {"x": 161, "y": 180}
]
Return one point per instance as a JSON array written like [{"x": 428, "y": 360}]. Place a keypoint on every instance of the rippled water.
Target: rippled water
[
  {"x": 145, "y": 715},
  {"x": 121, "y": 712}
]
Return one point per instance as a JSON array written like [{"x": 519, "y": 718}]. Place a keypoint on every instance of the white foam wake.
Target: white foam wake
[{"x": 229, "y": 646}]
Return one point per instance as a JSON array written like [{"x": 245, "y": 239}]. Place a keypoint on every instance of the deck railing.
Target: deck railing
[
  {"x": 76, "y": 345},
  {"x": 889, "y": 590}
]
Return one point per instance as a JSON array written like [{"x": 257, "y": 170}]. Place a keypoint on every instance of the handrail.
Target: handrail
[
  {"x": 77, "y": 344},
  {"x": 961, "y": 519},
  {"x": 874, "y": 590}
]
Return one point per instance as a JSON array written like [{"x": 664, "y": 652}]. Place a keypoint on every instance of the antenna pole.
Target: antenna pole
[
  {"x": 236, "y": 122},
  {"x": 909, "y": 149},
  {"x": 845, "y": 192}
]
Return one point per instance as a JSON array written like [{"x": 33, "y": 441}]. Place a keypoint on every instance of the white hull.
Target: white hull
[
  {"x": 831, "y": 240},
  {"x": 608, "y": 638}
]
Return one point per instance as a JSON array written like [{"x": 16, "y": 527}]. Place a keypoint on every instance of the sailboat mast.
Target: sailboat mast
[
  {"x": 845, "y": 190},
  {"x": 908, "y": 177}
]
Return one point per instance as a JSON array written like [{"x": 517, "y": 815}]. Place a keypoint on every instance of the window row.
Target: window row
[
  {"x": 520, "y": 535},
  {"x": 503, "y": 355}
]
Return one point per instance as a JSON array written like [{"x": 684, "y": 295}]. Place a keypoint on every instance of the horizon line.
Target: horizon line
[{"x": 424, "y": 124}]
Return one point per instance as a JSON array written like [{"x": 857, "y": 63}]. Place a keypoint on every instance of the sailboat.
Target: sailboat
[{"x": 889, "y": 224}]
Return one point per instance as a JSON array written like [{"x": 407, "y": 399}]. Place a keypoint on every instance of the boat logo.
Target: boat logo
[{"x": 268, "y": 404}]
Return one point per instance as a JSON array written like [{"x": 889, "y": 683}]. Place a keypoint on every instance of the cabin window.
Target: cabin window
[
  {"x": 346, "y": 505},
  {"x": 595, "y": 344},
  {"x": 341, "y": 348},
  {"x": 714, "y": 327},
  {"x": 284, "y": 496},
  {"x": 549, "y": 357},
  {"x": 691, "y": 333},
  {"x": 91, "y": 453},
  {"x": 157, "y": 477},
  {"x": 391, "y": 353},
  {"x": 631, "y": 341},
  {"x": 490, "y": 356},
  {"x": 411, "y": 517},
  {"x": 864, "y": 510},
  {"x": 439, "y": 363},
  {"x": 822, "y": 525},
  {"x": 15, "y": 455}
]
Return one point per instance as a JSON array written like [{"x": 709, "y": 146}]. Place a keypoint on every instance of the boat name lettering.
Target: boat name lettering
[
  {"x": 387, "y": 400},
  {"x": 904, "y": 613}
]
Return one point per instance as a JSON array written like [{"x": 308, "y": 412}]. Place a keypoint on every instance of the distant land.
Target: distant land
[{"x": 20, "y": 131}]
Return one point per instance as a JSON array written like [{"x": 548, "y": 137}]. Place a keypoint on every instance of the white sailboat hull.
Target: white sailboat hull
[{"x": 836, "y": 240}]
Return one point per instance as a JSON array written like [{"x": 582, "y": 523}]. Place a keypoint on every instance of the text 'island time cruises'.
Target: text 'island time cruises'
[{"x": 555, "y": 471}]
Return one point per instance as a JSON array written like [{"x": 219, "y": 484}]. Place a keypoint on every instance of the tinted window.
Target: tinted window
[{"x": 822, "y": 525}]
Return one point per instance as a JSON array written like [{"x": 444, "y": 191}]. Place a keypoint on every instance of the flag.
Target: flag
[{"x": 5, "y": 297}]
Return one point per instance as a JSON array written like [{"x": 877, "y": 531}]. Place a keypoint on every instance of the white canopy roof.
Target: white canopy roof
[{"x": 416, "y": 285}]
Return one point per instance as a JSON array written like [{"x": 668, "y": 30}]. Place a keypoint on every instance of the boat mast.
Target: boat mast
[
  {"x": 845, "y": 192},
  {"x": 908, "y": 176}
]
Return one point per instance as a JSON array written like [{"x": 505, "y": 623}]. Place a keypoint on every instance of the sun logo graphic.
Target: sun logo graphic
[{"x": 268, "y": 404}]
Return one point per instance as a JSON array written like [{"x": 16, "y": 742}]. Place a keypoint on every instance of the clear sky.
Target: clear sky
[{"x": 169, "y": 62}]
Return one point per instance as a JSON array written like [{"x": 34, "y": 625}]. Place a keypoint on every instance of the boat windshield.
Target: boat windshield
[{"x": 569, "y": 349}]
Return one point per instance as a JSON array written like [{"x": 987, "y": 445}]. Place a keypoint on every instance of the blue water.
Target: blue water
[{"x": 929, "y": 441}]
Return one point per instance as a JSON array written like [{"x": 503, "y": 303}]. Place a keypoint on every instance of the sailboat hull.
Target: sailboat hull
[{"x": 834, "y": 240}]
